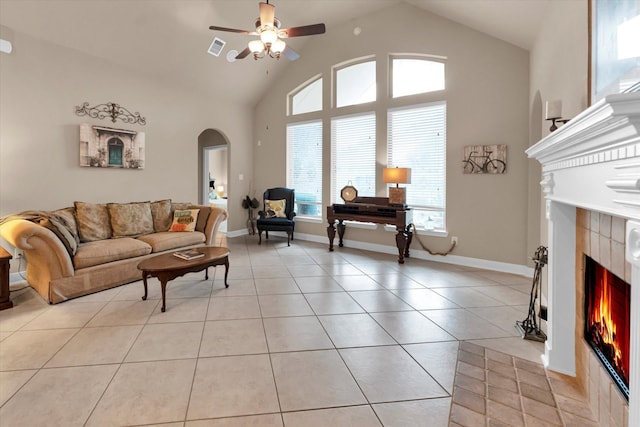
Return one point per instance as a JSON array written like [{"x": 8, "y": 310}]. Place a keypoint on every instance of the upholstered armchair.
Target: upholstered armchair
[{"x": 277, "y": 214}]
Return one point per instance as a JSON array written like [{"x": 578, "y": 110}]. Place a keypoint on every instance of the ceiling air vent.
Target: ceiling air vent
[{"x": 216, "y": 46}]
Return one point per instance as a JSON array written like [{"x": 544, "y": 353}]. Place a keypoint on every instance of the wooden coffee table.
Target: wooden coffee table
[{"x": 167, "y": 267}]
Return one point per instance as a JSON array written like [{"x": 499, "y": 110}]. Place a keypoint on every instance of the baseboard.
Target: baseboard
[
  {"x": 17, "y": 278},
  {"x": 237, "y": 233},
  {"x": 483, "y": 264}
]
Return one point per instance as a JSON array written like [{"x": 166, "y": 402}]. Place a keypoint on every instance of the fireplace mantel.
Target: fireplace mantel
[{"x": 592, "y": 162}]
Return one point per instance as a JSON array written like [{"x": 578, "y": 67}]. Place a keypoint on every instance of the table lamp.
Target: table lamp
[{"x": 397, "y": 195}]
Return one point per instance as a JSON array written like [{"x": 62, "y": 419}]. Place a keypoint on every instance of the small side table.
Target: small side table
[{"x": 5, "y": 300}]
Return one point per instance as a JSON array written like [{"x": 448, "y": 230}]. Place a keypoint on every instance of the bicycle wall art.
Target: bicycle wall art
[{"x": 485, "y": 159}]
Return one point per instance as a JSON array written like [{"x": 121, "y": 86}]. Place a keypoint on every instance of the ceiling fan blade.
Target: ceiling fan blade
[
  {"x": 305, "y": 30},
  {"x": 230, "y": 30},
  {"x": 267, "y": 14},
  {"x": 244, "y": 53},
  {"x": 291, "y": 54}
]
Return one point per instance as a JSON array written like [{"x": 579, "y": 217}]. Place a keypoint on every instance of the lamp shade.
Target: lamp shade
[{"x": 396, "y": 175}]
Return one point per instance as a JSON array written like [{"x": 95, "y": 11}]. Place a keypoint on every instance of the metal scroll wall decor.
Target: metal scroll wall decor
[{"x": 112, "y": 110}]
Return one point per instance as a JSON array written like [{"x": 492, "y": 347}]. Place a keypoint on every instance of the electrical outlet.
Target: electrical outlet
[
  {"x": 543, "y": 312},
  {"x": 454, "y": 240},
  {"x": 17, "y": 253}
]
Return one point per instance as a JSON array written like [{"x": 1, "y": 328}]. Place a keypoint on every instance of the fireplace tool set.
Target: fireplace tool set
[{"x": 530, "y": 327}]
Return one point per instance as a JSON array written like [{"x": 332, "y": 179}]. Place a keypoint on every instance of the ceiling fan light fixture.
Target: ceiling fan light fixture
[
  {"x": 268, "y": 27},
  {"x": 256, "y": 46},
  {"x": 278, "y": 46},
  {"x": 268, "y": 36}
]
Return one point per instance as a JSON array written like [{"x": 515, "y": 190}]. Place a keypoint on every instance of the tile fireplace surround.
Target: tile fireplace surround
[{"x": 591, "y": 164}]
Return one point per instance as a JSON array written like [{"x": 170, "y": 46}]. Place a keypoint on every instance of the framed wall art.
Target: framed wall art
[
  {"x": 485, "y": 159},
  {"x": 106, "y": 147}
]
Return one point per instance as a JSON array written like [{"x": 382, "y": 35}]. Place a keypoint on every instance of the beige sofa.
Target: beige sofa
[{"x": 88, "y": 248}]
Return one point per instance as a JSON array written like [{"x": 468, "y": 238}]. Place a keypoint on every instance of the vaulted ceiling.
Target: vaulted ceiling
[{"x": 168, "y": 39}]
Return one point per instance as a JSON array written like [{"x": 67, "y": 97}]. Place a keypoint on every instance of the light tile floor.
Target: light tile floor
[{"x": 302, "y": 337}]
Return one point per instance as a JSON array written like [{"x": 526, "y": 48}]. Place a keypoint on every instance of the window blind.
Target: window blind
[
  {"x": 353, "y": 151},
  {"x": 417, "y": 139},
  {"x": 304, "y": 166}
]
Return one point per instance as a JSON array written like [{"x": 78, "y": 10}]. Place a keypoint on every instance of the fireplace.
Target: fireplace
[
  {"x": 592, "y": 164},
  {"x": 607, "y": 320}
]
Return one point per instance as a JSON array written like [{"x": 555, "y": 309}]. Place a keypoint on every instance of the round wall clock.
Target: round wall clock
[{"x": 348, "y": 193}]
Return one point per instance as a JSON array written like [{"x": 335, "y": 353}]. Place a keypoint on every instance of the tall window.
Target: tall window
[
  {"x": 353, "y": 154},
  {"x": 304, "y": 166},
  {"x": 415, "y": 134},
  {"x": 416, "y": 139},
  {"x": 356, "y": 84}
]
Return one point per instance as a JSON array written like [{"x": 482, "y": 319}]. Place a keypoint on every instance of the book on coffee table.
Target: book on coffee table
[{"x": 188, "y": 254}]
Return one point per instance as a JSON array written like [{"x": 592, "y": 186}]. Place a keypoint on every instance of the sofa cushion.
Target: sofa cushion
[
  {"x": 104, "y": 251},
  {"x": 184, "y": 220},
  {"x": 167, "y": 240},
  {"x": 162, "y": 214},
  {"x": 130, "y": 219},
  {"x": 93, "y": 221}
]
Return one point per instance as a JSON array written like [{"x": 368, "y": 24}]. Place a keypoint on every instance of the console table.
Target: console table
[
  {"x": 377, "y": 213},
  {"x": 5, "y": 297}
]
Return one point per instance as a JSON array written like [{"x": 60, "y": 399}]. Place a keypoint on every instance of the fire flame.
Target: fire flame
[{"x": 602, "y": 320}]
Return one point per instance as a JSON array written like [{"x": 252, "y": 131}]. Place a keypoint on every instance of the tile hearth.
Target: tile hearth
[
  {"x": 302, "y": 337},
  {"x": 496, "y": 389}
]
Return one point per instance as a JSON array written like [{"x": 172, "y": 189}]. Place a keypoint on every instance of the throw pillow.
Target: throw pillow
[
  {"x": 130, "y": 219},
  {"x": 184, "y": 220},
  {"x": 203, "y": 216},
  {"x": 180, "y": 206},
  {"x": 93, "y": 221},
  {"x": 69, "y": 217},
  {"x": 59, "y": 226},
  {"x": 275, "y": 208},
  {"x": 161, "y": 214}
]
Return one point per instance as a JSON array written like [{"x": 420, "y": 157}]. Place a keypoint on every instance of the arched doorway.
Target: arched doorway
[{"x": 213, "y": 161}]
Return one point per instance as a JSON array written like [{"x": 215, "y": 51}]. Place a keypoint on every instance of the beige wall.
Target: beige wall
[
  {"x": 487, "y": 103},
  {"x": 558, "y": 71},
  {"x": 495, "y": 95},
  {"x": 41, "y": 83},
  {"x": 559, "y": 68}
]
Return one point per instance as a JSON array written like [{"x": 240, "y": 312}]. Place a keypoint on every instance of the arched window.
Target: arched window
[
  {"x": 307, "y": 98},
  {"x": 356, "y": 84},
  {"x": 411, "y": 76}
]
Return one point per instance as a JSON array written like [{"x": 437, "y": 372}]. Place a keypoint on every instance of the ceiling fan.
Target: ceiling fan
[{"x": 270, "y": 42}]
